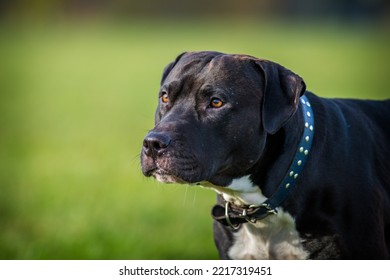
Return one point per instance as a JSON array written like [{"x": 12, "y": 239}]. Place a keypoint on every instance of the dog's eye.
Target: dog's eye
[
  {"x": 165, "y": 98},
  {"x": 216, "y": 103}
]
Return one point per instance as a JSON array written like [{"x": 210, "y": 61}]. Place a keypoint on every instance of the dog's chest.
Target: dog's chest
[{"x": 272, "y": 238}]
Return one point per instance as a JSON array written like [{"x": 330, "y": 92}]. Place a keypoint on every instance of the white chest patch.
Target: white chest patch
[{"x": 274, "y": 237}]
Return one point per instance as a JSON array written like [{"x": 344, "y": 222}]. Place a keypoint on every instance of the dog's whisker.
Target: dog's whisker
[{"x": 185, "y": 195}]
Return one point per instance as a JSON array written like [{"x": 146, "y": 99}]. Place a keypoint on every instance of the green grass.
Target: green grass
[{"x": 77, "y": 100}]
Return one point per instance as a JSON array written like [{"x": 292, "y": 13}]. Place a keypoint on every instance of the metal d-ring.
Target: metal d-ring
[{"x": 227, "y": 216}]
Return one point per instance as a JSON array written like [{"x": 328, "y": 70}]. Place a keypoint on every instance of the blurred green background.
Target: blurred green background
[{"x": 78, "y": 90}]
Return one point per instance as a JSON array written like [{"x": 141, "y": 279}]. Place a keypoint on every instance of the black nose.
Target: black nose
[{"x": 155, "y": 143}]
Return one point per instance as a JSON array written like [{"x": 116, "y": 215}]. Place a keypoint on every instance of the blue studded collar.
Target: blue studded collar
[
  {"x": 233, "y": 216},
  {"x": 300, "y": 157}
]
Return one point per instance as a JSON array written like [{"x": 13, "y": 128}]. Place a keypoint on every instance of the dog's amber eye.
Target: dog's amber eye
[
  {"x": 216, "y": 103},
  {"x": 165, "y": 98}
]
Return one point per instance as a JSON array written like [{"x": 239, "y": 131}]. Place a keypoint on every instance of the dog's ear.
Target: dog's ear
[
  {"x": 169, "y": 67},
  {"x": 282, "y": 89}
]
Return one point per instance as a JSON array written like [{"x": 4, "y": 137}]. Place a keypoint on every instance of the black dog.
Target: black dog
[{"x": 298, "y": 176}]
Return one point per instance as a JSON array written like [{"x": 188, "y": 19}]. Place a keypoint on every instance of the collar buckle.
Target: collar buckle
[
  {"x": 250, "y": 214},
  {"x": 269, "y": 208}
]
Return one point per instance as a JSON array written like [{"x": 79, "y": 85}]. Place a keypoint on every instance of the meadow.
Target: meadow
[{"x": 77, "y": 98}]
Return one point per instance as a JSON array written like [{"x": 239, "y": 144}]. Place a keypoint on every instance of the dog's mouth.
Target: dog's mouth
[
  {"x": 180, "y": 175},
  {"x": 169, "y": 169},
  {"x": 166, "y": 177}
]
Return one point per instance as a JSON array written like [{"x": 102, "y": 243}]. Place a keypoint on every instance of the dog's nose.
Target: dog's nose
[{"x": 155, "y": 143}]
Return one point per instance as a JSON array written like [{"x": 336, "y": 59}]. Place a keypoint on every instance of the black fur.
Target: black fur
[{"x": 341, "y": 204}]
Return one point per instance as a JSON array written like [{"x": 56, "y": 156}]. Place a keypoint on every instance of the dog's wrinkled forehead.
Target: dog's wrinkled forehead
[
  {"x": 192, "y": 63},
  {"x": 209, "y": 67}
]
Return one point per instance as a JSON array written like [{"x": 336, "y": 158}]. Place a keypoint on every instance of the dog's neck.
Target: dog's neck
[
  {"x": 271, "y": 169},
  {"x": 278, "y": 155}
]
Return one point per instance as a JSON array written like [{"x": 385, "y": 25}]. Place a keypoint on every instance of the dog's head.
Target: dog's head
[{"x": 214, "y": 114}]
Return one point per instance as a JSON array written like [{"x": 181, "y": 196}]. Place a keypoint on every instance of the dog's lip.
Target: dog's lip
[
  {"x": 169, "y": 176},
  {"x": 149, "y": 172},
  {"x": 161, "y": 173}
]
